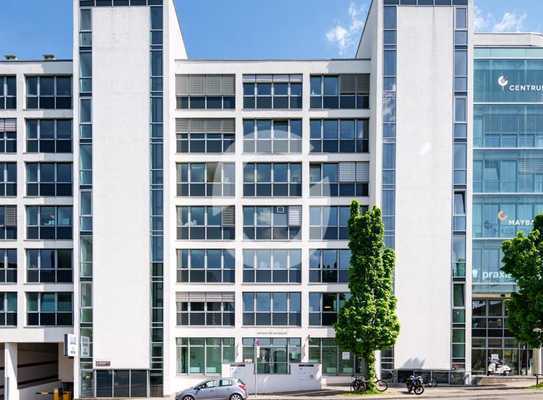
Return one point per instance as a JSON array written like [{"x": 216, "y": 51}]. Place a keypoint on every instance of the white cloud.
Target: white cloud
[
  {"x": 345, "y": 36},
  {"x": 482, "y": 21},
  {"x": 510, "y": 21}
]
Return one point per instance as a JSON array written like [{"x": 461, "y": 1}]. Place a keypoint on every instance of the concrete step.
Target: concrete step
[{"x": 493, "y": 380}]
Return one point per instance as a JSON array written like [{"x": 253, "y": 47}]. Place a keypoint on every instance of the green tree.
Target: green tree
[
  {"x": 522, "y": 259},
  {"x": 367, "y": 322}
]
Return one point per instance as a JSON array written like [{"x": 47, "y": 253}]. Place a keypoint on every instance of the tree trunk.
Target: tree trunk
[{"x": 369, "y": 357}]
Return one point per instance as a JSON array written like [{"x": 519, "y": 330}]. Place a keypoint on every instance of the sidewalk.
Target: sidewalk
[{"x": 393, "y": 393}]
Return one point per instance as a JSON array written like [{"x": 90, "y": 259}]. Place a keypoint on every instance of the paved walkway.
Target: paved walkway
[{"x": 467, "y": 392}]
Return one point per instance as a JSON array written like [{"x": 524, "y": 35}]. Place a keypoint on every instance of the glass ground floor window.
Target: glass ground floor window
[
  {"x": 121, "y": 383},
  {"x": 272, "y": 355},
  {"x": 334, "y": 360},
  {"x": 203, "y": 355},
  {"x": 491, "y": 339}
]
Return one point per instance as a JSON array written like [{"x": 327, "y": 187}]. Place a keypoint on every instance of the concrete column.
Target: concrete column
[{"x": 11, "y": 392}]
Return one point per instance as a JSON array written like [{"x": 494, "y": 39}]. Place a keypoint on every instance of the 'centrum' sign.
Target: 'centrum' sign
[{"x": 506, "y": 85}]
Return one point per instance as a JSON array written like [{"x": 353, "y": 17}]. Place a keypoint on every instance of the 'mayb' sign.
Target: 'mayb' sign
[{"x": 504, "y": 219}]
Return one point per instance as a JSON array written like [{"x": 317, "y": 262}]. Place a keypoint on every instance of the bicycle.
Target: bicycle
[{"x": 360, "y": 384}]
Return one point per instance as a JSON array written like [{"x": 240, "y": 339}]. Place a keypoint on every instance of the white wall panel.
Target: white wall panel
[
  {"x": 424, "y": 186},
  {"x": 121, "y": 186}
]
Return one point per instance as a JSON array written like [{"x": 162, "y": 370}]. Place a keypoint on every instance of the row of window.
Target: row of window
[
  {"x": 259, "y": 308},
  {"x": 205, "y": 356},
  {"x": 276, "y": 136},
  {"x": 262, "y": 265},
  {"x": 42, "y": 266},
  {"x": 272, "y": 179},
  {"x": 262, "y": 223},
  {"x": 47, "y": 92},
  {"x": 42, "y": 309},
  {"x": 42, "y": 222},
  {"x": 269, "y": 91},
  {"x": 43, "y": 135},
  {"x": 43, "y": 179}
]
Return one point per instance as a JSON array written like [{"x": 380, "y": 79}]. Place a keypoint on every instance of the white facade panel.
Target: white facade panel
[
  {"x": 121, "y": 278},
  {"x": 424, "y": 186}
]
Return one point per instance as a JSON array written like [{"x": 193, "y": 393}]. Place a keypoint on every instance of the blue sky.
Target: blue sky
[{"x": 244, "y": 28}]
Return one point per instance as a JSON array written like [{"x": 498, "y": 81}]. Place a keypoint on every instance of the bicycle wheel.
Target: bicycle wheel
[
  {"x": 419, "y": 389},
  {"x": 358, "y": 386},
  {"x": 380, "y": 385}
]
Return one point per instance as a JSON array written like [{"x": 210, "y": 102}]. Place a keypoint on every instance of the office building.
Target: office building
[{"x": 188, "y": 218}]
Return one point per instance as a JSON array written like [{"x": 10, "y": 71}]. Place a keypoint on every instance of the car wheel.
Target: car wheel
[
  {"x": 188, "y": 397},
  {"x": 236, "y": 396}
]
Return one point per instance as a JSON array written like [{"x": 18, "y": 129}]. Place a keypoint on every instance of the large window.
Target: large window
[
  {"x": 199, "y": 92},
  {"x": 49, "y": 265},
  {"x": 334, "y": 360},
  {"x": 205, "y": 135},
  {"x": 272, "y": 309},
  {"x": 206, "y": 265},
  {"x": 8, "y": 222},
  {"x": 49, "y": 309},
  {"x": 504, "y": 217},
  {"x": 324, "y": 308},
  {"x": 8, "y": 92},
  {"x": 272, "y": 136},
  {"x": 272, "y": 223},
  {"x": 49, "y": 179},
  {"x": 348, "y": 91},
  {"x": 205, "y": 309},
  {"x": 329, "y": 223},
  {"x": 275, "y": 354},
  {"x": 8, "y": 179},
  {"x": 8, "y": 265},
  {"x": 53, "y": 223},
  {"x": 49, "y": 135},
  {"x": 339, "y": 136},
  {"x": 272, "y": 91},
  {"x": 508, "y": 125},
  {"x": 490, "y": 335},
  {"x": 348, "y": 179},
  {"x": 204, "y": 355},
  {"x": 49, "y": 92},
  {"x": 329, "y": 265},
  {"x": 272, "y": 179},
  {"x": 487, "y": 263},
  {"x": 507, "y": 172},
  {"x": 214, "y": 179},
  {"x": 272, "y": 266},
  {"x": 206, "y": 223},
  {"x": 8, "y": 135},
  {"x": 8, "y": 309}
]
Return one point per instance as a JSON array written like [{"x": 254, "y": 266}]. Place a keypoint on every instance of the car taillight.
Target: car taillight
[{"x": 242, "y": 385}]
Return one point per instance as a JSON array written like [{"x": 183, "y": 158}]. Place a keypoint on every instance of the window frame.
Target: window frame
[
  {"x": 255, "y": 274},
  {"x": 60, "y": 275},
  {"x": 40, "y": 98},
  {"x": 188, "y": 231},
  {"x": 259, "y": 230},
  {"x": 57, "y": 314},
  {"x": 185, "y": 273},
  {"x": 254, "y": 186}
]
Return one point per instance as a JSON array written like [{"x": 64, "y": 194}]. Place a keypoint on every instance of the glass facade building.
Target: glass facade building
[{"x": 507, "y": 188}]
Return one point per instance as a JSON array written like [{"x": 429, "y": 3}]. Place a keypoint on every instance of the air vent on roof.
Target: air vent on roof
[
  {"x": 49, "y": 57},
  {"x": 10, "y": 57}
]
